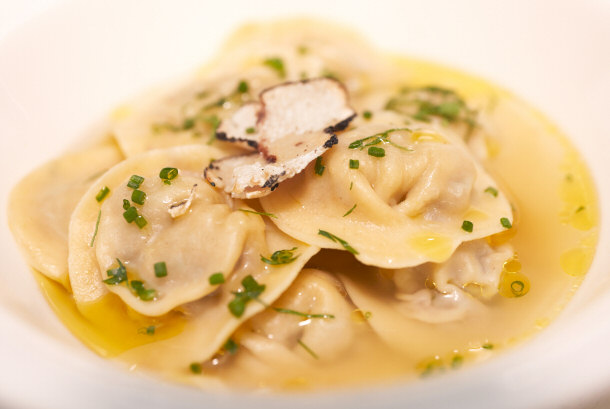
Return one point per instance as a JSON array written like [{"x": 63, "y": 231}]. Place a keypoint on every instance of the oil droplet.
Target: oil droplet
[
  {"x": 360, "y": 316},
  {"x": 475, "y": 216},
  {"x": 435, "y": 248},
  {"x": 513, "y": 284},
  {"x": 513, "y": 265},
  {"x": 419, "y": 136},
  {"x": 576, "y": 261}
]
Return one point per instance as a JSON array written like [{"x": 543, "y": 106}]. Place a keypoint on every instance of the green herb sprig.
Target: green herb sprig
[
  {"x": 119, "y": 275},
  {"x": 376, "y": 139},
  {"x": 276, "y": 64},
  {"x": 259, "y": 213},
  {"x": 280, "y": 257},
  {"x": 339, "y": 240},
  {"x": 251, "y": 291},
  {"x": 97, "y": 225}
]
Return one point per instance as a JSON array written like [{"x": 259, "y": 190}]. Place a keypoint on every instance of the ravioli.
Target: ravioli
[
  {"x": 190, "y": 112},
  {"x": 278, "y": 335},
  {"x": 455, "y": 291},
  {"x": 394, "y": 196},
  {"x": 41, "y": 205},
  {"x": 211, "y": 322}
]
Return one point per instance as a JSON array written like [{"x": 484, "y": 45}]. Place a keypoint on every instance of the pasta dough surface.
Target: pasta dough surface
[{"x": 409, "y": 202}]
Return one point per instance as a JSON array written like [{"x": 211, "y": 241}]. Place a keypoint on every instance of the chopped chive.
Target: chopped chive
[
  {"x": 319, "y": 168},
  {"x": 492, "y": 190},
  {"x": 280, "y": 257},
  {"x": 506, "y": 223},
  {"x": 457, "y": 361},
  {"x": 580, "y": 209},
  {"x": 150, "y": 330},
  {"x": 139, "y": 197},
  {"x": 250, "y": 130},
  {"x": 351, "y": 210},
  {"x": 367, "y": 114},
  {"x": 351, "y": 185},
  {"x": 143, "y": 293},
  {"x": 242, "y": 87},
  {"x": 141, "y": 221},
  {"x": 101, "y": 195},
  {"x": 130, "y": 214},
  {"x": 196, "y": 368},
  {"x": 487, "y": 346},
  {"x": 381, "y": 137},
  {"x": 259, "y": 213},
  {"x": 116, "y": 275},
  {"x": 230, "y": 346},
  {"x": 216, "y": 278},
  {"x": 309, "y": 350},
  {"x": 277, "y": 65},
  {"x": 237, "y": 306},
  {"x": 467, "y": 226},
  {"x": 126, "y": 204},
  {"x": 168, "y": 174},
  {"x": 189, "y": 123},
  {"x": 160, "y": 269},
  {"x": 135, "y": 181},
  {"x": 354, "y": 163},
  {"x": 517, "y": 287},
  {"x": 336, "y": 239},
  {"x": 329, "y": 74},
  {"x": 302, "y": 314},
  {"x": 214, "y": 123},
  {"x": 376, "y": 152},
  {"x": 97, "y": 225},
  {"x": 251, "y": 291}
]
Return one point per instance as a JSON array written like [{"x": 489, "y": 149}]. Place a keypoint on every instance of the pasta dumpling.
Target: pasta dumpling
[
  {"x": 431, "y": 293},
  {"x": 40, "y": 224},
  {"x": 165, "y": 255},
  {"x": 394, "y": 196},
  {"x": 191, "y": 112},
  {"x": 325, "y": 326}
]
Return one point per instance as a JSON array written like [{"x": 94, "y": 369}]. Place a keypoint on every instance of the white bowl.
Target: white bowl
[{"x": 65, "y": 70}]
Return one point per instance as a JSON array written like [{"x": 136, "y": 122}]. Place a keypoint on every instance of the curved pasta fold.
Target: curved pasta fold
[
  {"x": 41, "y": 205},
  {"x": 402, "y": 300},
  {"x": 394, "y": 196},
  {"x": 277, "y": 335},
  {"x": 210, "y": 237}
]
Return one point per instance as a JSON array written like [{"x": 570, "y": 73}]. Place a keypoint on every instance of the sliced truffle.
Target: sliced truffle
[
  {"x": 300, "y": 116},
  {"x": 241, "y": 127},
  {"x": 297, "y": 122}
]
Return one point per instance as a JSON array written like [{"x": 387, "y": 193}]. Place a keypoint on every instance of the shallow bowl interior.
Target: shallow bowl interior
[{"x": 63, "y": 71}]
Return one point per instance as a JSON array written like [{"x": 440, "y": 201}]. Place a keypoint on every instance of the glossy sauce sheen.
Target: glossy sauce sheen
[{"x": 554, "y": 236}]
